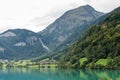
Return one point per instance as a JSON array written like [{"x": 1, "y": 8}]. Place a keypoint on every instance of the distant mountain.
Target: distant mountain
[
  {"x": 99, "y": 47},
  {"x": 69, "y": 27},
  {"x": 66, "y": 30},
  {"x": 21, "y": 44}
]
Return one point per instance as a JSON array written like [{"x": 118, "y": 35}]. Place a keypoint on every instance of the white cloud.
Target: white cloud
[
  {"x": 35, "y": 15},
  {"x": 105, "y": 5}
]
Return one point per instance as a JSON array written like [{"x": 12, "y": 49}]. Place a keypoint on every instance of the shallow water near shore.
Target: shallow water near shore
[{"x": 58, "y": 74}]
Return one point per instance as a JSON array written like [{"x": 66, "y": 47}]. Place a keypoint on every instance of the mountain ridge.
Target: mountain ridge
[
  {"x": 21, "y": 44},
  {"x": 72, "y": 20},
  {"x": 99, "y": 47}
]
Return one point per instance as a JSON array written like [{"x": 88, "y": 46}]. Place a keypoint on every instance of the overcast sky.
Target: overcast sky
[{"x": 35, "y": 15}]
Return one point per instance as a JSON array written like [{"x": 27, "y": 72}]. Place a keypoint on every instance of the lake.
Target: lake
[{"x": 58, "y": 74}]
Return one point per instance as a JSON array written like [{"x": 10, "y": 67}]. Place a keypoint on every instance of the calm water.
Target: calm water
[{"x": 57, "y": 74}]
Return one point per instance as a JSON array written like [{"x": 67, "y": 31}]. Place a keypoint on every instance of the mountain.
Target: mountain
[
  {"x": 24, "y": 44},
  {"x": 21, "y": 44},
  {"x": 69, "y": 27},
  {"x": 99, "y": 47}
]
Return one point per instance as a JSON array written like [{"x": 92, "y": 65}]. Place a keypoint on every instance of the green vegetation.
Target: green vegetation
[
  {"x": 82, "y": 60},
  {"x": 103, "y": 62},
  {"x": 46, "y": 63},
  {"x": 99, "y": 47}
]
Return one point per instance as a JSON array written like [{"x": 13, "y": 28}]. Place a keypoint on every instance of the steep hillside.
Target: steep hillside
[
  {"x": 72, "y": 24},
  {"x": 21, "y": 44},
  {"x": 99, "y": 47}
]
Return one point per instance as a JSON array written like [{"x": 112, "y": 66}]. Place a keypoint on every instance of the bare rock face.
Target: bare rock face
[
  {"x": 74, "y": 21},
  {"x": 20, "y": 44}
]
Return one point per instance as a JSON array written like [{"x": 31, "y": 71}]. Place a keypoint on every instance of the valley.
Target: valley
[
  {"x": 80, "y": 38},
  {"x": 59, "y": 39}
]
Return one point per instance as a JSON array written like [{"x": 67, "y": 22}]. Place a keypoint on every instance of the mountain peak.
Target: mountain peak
[
  {"x": 8, "y": 33},
  {"x": 22, "y": 31},
  {"x": 15, "y": 30},
  {"x": 84, "y": 10},
  {"x": 86, "y": 7},
  {"x": 69, "y": 23},
  {"x": 21, "y": 44},
  {"x": 102, "y": 41},
  {"x": 18, "y": 30}
]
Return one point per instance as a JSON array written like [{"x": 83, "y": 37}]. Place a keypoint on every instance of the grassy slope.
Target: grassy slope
[
  {"x": 82, "y": 60},
  {"x": 103, "y": 62}
]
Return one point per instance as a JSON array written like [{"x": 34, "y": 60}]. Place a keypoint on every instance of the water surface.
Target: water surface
[{"x": 58, "y": 74}]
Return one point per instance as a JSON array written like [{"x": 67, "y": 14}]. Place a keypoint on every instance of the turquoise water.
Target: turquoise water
[{"x": 58, "y": 74}]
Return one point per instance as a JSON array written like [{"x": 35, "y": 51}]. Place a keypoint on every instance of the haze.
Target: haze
[{"x": 36, "y": 15}]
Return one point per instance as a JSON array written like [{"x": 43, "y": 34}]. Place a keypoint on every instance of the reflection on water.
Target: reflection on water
[{"x": 58, "y": 74}]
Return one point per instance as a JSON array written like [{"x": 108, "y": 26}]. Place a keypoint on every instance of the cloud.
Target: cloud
[
  {"x": 55, "y": 13},
  {"x": 104, "y": 5},
  {"x": 36, "y": 15},
  {"x": 88, "y": 0}
]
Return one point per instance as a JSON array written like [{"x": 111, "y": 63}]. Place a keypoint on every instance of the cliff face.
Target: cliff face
[{"x": 73, "y": 22}]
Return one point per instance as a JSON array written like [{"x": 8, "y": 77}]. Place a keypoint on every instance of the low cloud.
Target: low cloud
[{"x": 36, "y": 15}]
